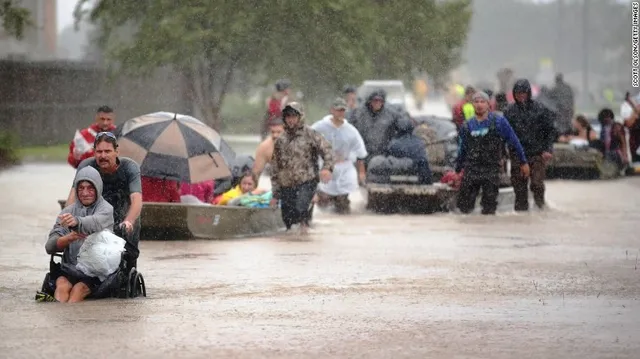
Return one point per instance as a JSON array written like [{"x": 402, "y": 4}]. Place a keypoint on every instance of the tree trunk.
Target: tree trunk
[{"x": 209, "y": 83}]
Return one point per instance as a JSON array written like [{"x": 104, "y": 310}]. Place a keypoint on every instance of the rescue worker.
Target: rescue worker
[
  {"x": 420, "y": 89},
  {"x": 463, "y": 110},
  {"x": 562, "y": 96},
  {"x": 350, "y": 94},
  {"x": 533, "y": 123},
  {"x": 122, "y": 189},
  {"x": 482, "y": 141},
  {"x": 294, "y": 168},
  {"x": 377, "y": 123},
  {"x": 81, "y": 147},
  {"x": 275, "y": 104},
  {"x": 264, "y": 152},
  {"x": 348, "y": 148}
]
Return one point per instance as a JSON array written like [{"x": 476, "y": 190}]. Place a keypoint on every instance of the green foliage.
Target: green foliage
[
  {"x": 14, "y": 18},
  {"x": 243, "y": 118},
  {"x": 8, "y": 148},
  {"x": 319, "y": 44}
]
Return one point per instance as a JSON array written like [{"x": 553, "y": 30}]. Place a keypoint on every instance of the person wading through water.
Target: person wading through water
[
  {"x": 81, "y": 147},
  {"x": 482, "y": 142},
  {"x": 264, "y": 152},
  {"x": 534, "y": 124},
  {"x": 275, "y": 104},
  {"x": 348, "y": 147},
  {"x": 294, "y": 167},
  {"x": 122, "y": 189}
]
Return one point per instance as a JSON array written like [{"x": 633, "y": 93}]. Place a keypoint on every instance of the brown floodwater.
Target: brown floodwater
[{"x": 563, "y": 283}]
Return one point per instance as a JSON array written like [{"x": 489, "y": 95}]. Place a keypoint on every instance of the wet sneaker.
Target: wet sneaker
[{"x": 44, "y": 297}]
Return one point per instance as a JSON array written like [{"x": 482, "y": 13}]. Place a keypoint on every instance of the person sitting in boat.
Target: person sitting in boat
[
  {"x": 612, "y": 141},
  {"x": 253, "y": 199},
  {"x": 89, "y": 213},
  {"x": 584, "y": 134},
  {"x": 160, "y": 190},
  {"x": 408, "y": 145},
  {"x": 203, "y": 191},
  {"x": 248, "y": 184}
]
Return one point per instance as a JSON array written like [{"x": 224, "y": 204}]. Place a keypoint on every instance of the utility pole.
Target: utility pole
[
  {"x": 559, "y": 43},
  {"x": 585, "y": 52}
]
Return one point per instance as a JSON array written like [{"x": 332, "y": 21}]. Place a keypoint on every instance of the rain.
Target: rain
[{"x": 189, "y": 87}]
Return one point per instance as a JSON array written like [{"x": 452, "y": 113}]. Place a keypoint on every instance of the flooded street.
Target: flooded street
[{"x": 564, "y": 283}]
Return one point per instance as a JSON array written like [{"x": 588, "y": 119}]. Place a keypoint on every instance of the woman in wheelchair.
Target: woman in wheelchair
[{"x": 89, "y": 214}]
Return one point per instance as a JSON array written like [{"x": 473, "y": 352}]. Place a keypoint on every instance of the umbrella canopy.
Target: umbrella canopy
[{"x": 174, "y": 146}]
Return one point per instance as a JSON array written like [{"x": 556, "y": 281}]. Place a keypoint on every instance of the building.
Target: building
[{"x": 40, "y": 41}]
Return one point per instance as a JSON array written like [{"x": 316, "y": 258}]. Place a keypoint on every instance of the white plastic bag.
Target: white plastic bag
[{"x": 100, "y": 254}]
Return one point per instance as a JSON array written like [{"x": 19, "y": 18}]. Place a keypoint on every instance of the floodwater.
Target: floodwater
[{"x": 563, "y": 283}]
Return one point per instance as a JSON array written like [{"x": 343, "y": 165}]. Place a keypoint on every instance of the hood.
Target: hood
[
  {"x": 522, "y": 85},
  {"x": 376, "y": 93},
  {"x": 92, "y": 175},
  {"x": 405, "y": 127},
  {"x": 297, "y": 107}
]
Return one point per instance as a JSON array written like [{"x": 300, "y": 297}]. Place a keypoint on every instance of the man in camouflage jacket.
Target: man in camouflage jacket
[{"x": 294, "y": 167}]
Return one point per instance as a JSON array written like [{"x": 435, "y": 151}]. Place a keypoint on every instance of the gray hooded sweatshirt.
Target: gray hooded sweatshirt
[{"x": 91, "y": 219}]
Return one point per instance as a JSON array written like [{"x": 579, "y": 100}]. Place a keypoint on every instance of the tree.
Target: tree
[
  {"x": 15, "y": 19},
  {"x": 318, "y": 44}
]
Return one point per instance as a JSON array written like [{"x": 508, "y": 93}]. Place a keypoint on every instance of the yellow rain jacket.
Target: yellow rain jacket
[
  {"x": 229, "y": 195},
  {"x": 468, "y": 111}
]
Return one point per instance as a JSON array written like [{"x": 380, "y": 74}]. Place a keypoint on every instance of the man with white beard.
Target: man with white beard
[{"x": 348, "y": 147}]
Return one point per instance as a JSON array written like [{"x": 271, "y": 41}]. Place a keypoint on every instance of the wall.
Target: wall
[{"x": 45, "y": 102}]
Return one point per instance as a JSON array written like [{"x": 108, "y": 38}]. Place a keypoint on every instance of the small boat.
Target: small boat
[
  {"x": 574, "y": 162},
  {"x": 412, "y": 198},
  {"x": 169, "y": 221},
  {"x": 425, "y": 199}
]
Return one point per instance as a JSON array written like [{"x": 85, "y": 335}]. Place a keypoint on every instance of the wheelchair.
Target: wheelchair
[{"x": 125, "y": 282}]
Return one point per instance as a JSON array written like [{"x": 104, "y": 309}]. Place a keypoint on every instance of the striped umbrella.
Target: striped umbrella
[{"x": 173, "y": 146}]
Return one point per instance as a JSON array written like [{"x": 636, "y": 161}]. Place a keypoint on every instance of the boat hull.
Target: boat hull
[
  {"x": 178, "y": 221},
  {"x": 569, "y": 162},
  {"x": 424, "y": 199}
]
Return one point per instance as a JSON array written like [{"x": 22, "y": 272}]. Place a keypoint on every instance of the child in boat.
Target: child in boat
[
  {"x": 247, "y": 186},
  {"x": 203, "y": 191}
]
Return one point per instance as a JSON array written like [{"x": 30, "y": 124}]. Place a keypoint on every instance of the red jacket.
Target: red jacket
[
  {"x": 159, "y": 190},
  {"x": 89, "y": 134},
  {"x": 457, "y": 114}
]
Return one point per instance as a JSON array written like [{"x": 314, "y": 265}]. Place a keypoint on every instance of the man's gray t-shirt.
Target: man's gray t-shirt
[{"x": 118, "y": 186}]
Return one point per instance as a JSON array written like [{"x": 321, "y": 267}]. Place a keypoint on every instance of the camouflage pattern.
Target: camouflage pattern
[
  {"x": 295, "y": 158},
  {"x": 435, "y": 149}
]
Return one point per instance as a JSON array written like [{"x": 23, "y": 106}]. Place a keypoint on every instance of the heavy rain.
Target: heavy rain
[{"x": 299, "y": 179}]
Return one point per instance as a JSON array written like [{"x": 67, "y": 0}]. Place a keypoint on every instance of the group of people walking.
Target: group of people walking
[{"x": 527, "y": 128}]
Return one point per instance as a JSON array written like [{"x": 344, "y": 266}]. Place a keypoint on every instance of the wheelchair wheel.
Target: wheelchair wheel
[
  {"x": 123, "y": 290},
  {"x": 130, "y": 281},
  {"x": 47, "y": 285},
  {"x": 139, "y": 287}
]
